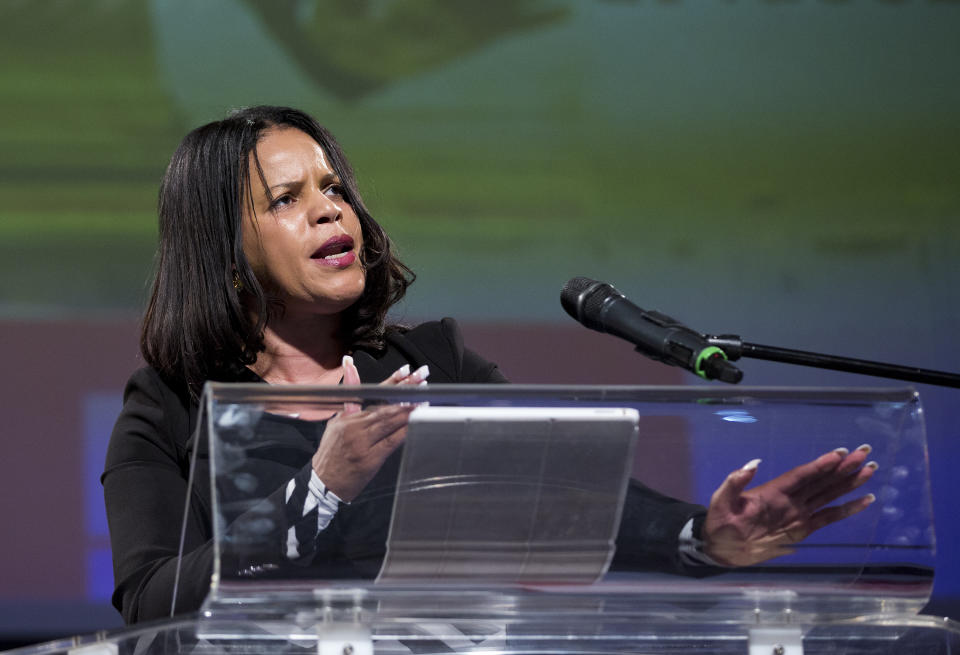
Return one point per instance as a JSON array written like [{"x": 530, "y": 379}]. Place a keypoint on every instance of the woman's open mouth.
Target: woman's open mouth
[{"x": 336, "y": 252}]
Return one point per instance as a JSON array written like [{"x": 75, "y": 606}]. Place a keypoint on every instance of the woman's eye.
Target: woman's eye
[
  {"x": 281, "y": 201},
  {"x": 334, "y": 191}
]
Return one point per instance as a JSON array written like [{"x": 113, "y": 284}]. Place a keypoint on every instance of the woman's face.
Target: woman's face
[{"x": 304, "y": 246}]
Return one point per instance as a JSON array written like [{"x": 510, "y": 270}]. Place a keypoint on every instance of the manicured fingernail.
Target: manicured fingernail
[
  {"x": 841, "y": 451},
  {"x": 402, "y": 372},
  {"x": 751, "y": 465},
  {"x": 347, "y": 361},
  {"x": 422, "y": 373},
  {"x": 869, "y": 498},
  {"x": 422, "y": 383},
  {"x": 871, "y": 465},
  {"x": 866, "y": 448}
]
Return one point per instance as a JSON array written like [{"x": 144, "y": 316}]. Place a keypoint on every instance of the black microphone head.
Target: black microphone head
[
  {"x": 571, "y": 296},
  {"x": 582, "y": 298}
]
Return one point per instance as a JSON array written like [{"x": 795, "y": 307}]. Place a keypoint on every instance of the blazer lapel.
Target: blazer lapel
[{"x": 371, "y": 370}]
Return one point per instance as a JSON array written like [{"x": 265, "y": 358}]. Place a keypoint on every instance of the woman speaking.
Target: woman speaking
[{"x": 270, "y": 269}]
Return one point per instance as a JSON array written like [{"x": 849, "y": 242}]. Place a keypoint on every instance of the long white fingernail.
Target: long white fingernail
[
  {"x": 751, "y": 465},
  {"x": 422, "y": 383},
  {"x": 865, "y": 448},
  {"x": 347, "y": 361},
  {"x": 871, "y": 465},
  {"x": 841, "y": 451},
  {"x": 403, "y": 371},
  {"x": 870, "y": 498},
  {"x": 422, "y": 373}
]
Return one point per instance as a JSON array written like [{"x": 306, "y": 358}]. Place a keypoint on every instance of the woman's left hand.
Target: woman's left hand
[{"x": 748, "y": 526}]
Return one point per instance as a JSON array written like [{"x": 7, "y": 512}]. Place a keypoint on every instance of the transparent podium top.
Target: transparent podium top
[
  {"x": 532, "y": 520},
  {"x": 557, "y": 500}
]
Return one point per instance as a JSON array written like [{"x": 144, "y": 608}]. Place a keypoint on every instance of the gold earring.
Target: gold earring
[{"x": 237, "y": 282}]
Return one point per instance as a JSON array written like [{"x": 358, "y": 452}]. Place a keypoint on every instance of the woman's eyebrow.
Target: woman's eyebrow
[
  {"x": 286, "y": 185},
  {"x": 329, "y": 178}
]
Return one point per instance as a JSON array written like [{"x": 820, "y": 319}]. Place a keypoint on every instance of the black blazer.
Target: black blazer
[{"x": 148, "y": 462}]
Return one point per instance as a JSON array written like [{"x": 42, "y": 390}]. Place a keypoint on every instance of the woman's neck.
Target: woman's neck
[{"x": 305, "y": 350}]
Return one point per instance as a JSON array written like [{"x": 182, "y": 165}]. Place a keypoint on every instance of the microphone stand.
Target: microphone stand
[{"x": 735, "y": 348}]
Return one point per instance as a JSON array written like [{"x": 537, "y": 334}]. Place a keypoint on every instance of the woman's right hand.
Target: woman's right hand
[{"x": 357, "y": 441}]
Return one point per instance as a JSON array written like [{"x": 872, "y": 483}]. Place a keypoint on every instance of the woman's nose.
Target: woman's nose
[{"x": 324, "y": 209}]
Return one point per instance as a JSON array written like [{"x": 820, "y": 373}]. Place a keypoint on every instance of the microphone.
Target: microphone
[{"x": 600, "y": 307}]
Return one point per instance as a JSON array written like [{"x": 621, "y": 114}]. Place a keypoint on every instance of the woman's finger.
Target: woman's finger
[
  {"x": 397, "y": 376},
  {"x": 844, "y": 473},
  {"x": 351, "y": 376},
  {"x": 391, "y": 441},
  {"x": 384, "y": 420},
  {"x": 855, "y": 460},
  {"x": 797, "y": 480},
  {"x": 403, "y": 376},
  {"x": 726, "y": 499},
  {"x": 419, "y": 376},
  {"x": 842, "y": 487},
  {"x": 350, "y": 373},
  {"x": 829, "y": 515},
  {"x": 374, "y": 425}
]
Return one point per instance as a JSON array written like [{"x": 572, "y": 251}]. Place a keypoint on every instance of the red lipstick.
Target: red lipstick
[{"x": 336, "y": 252}]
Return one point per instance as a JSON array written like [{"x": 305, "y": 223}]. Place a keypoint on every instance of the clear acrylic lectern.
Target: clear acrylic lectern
[{"x": 546, "y": 519}]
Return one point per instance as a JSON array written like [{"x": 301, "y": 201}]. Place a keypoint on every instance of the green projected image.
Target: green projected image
[{"x": 505, "y": 147}]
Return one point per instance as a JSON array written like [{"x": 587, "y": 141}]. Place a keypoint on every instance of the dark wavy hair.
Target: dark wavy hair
[{"x": 197, "y": 325}]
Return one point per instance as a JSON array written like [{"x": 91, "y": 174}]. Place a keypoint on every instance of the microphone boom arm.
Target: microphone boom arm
[{"x": 735, "y": 348}]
